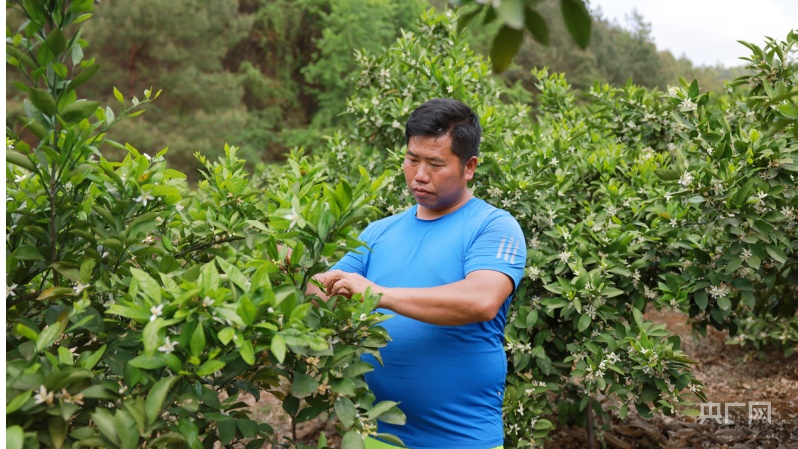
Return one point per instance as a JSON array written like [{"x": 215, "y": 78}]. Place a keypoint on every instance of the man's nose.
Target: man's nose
[{"x": 422, "y": 174}]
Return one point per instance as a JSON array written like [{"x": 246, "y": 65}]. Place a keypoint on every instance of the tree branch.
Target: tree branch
[{"x": 207, "y": 245}]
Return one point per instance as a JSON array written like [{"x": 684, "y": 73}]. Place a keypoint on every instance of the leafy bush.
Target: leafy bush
[
  {"x": 139, "y": 312},
  {"x": 575, "y": 329}
]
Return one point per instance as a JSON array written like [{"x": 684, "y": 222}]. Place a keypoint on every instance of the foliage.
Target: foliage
[
  {"x": 575, "y": 328},
  {"x": 519, "y": 16},
  {"x": 139, "y": 313},
  {"x": 739, "y": 179},
  {"x": 203, "y": 102},
  {"x": 616, "y": 54}
]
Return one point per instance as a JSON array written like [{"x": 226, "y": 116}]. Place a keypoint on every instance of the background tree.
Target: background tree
[{"x": 178, "y": 46}]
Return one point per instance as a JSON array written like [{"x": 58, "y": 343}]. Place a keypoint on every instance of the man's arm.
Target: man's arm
[{"x": 476, "y": 298}]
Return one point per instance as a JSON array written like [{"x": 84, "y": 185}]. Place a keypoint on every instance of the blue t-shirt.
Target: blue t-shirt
[{"x": 449, "y": 380}]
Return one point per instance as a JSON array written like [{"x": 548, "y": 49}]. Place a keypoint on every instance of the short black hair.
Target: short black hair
[{"x": 441, "y": 116}]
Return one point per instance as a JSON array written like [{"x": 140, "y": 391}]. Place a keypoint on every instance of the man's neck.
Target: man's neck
[{"x": 423, "y": 213}]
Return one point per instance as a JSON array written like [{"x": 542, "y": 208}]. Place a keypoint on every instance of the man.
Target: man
[{"x": 447, "y": 268}]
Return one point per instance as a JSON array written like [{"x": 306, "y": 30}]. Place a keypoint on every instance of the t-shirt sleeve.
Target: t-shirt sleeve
[
  {"x": 355, "y": 261},
  {"x": 500, "y": 246}
]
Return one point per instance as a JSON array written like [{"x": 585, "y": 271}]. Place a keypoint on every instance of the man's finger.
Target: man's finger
[{"x": 338, "y": 286}]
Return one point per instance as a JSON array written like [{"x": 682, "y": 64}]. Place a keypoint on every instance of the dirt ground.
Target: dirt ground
[{"x": 731, "y": 375}]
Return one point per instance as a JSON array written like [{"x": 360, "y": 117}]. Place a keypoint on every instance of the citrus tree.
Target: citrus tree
[
  {"x": 140, "y": 312},
  {"x": 576, "y": 327}
]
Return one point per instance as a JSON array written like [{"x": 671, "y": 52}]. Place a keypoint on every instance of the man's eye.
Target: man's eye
[{"x": 437, "y": 165}]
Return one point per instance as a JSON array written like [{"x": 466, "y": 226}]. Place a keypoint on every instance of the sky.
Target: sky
[{"x": 707, "y": 31}]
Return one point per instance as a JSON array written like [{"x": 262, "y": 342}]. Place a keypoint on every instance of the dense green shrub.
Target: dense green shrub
[
  {"x": 139, "y": 312},
  {"x": 576, "y": 327}
]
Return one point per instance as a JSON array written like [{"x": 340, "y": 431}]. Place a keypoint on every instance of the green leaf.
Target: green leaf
[
  {"x": 303, "y": 385},
  {"x": 690, "y": 412},
  {"x": 105, "y": 423},
  {"x": 278, "y": 347},
  {"x": 584, "y": 322},
  {"x": 248, "y": 427},
  {"x": 577, "y": 20},
  {"x": 145, "y": 361},
  {"x": 82, "y": 77},
  {"x": 15, "y": 437},
  {"x": 352, "y": 440},
  {"x": 701, "y": 299},
  {"x": 56, "y": 41},
  {"x": 693, "y": 90},
  {"x": 209, "y": 367},
  {"x": 531, "y": 319},
  {"x": 390, "y": 439},
  {"x": 147, "y": 284},
  {"x": 55, "y": 292},
  {"x": 227, "y": 431},
  {"x": 189, "y": 431},
  {"x": 512, "y": 13},
  {"x": 748, "y": 298},
  {"x": 126, "y": 429},
  {"x": 246, "y": 310},
  {"x": 50, "y": 334},
  {"x": 86, "y": 269},
  {"x": 343, "y": 386},
  {"x": 638, "y": 317},
  {"x": 19, "y": 159},
  {"x": 381, "y": 408},
  {"x": 27, "y": 332},
  {"x": 536, "y": 25},
  {"x": 505, "y": 46},
  {"x": 18, "y": 401},
  {"x": 666, "y": 174},
  {"x": 544, "y": 363},
  {"x": 247, "y": 352},
  {"x": 156, "y": 397},
  {"x": 27, "y": 252},
  {"x": 226, "y": 335},
  {"x": 79, "y": 110},
  {"x": 43, "y": 101},
  {"x": 776, "y": 253},
  {"x": 234, "y": 274},
  {"x": 197, "y": 342},
  {"x": 345, "y": 410},
  {"x": 724, "y": 303},
  {"x": 118, "y": 95}
]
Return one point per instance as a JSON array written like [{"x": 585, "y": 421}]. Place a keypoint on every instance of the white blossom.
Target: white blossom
[
  {"x": 144, "y": 198},
  {"x": 79, "y": 288},
  {"x": 686, "y": 179},
  {"x": 156, "y": 311},
  {"x": 43, "y": 396},
  {"x": 168, "y": 346},
  {"x": 687, "y": 105},
  {"x": 718, "y": 291},
  {"x": 564, "y": 256}
]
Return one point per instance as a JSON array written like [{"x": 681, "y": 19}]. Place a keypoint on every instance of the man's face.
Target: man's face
[{"x": 434, "y": 173}]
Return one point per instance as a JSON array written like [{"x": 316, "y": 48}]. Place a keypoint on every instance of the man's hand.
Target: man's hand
[{"x": 337, "y": 282}]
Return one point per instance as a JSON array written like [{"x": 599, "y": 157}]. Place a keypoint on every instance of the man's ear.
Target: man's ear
[{"x": 470, "y": 168}]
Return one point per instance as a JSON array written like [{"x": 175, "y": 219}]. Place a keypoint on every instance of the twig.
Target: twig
[{"x": 208, "y": 245}]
